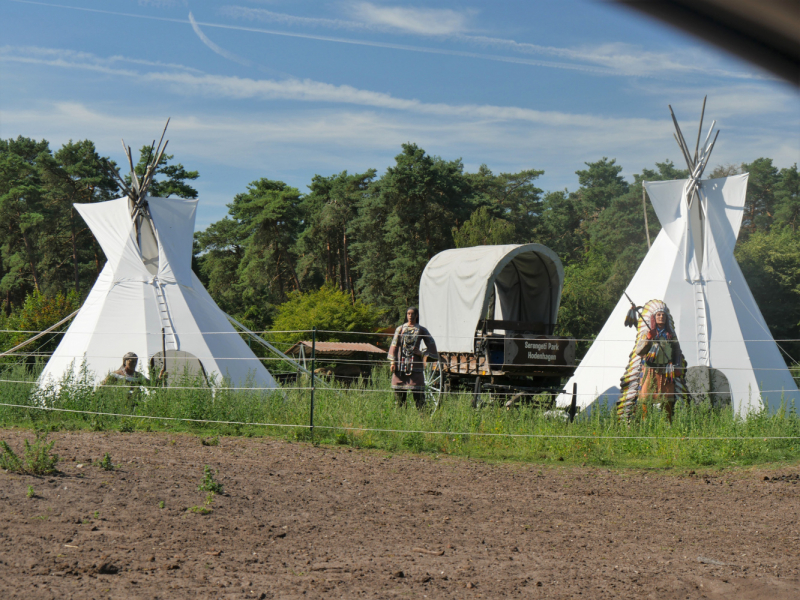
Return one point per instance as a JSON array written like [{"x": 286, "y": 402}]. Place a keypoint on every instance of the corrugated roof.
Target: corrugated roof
[{"x": 339, "y": 348}]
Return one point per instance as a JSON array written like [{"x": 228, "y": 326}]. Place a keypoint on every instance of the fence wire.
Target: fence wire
[
  {"x": 420, "y": 431},
  {"x": 323, "y": 360},
  {"x": 343, "y": 390},
  {"x": 379, "y": 334},
  {"x": 365, "y": 365}
]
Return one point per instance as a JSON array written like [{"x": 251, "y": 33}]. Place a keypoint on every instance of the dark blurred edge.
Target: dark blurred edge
[{"x": 765, "y": 32}]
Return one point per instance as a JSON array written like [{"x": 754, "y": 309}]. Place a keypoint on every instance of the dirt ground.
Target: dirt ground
[{"x": 297, "y": 521}]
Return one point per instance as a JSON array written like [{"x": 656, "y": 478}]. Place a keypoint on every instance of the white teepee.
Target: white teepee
[
  {"x": 727, "y": 345},
  {"x": 147, "y": 300}
]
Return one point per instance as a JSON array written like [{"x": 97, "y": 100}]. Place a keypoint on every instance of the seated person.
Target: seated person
[{"x": 127, "y": 374}]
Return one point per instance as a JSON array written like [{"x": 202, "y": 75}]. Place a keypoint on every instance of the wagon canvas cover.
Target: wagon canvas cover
[{"x": 457, "y": 286}]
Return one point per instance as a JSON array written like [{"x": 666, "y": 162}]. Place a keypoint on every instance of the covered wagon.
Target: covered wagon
[{"x": 493, "y": 311}]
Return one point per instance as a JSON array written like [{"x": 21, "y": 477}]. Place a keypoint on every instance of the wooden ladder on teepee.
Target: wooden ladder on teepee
[
  {"x": 171, "y": 341},
  {"x": 701, "y": 321}
]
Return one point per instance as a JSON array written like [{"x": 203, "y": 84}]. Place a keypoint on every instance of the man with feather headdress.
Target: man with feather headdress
[{"x": 656, "y": 367}]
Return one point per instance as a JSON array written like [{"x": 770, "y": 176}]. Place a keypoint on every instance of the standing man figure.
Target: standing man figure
[
  {"x": 406, "y": 358},
  {"x": 656, "y": 371}
]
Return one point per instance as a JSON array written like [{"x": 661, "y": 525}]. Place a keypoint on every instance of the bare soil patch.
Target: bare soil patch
[{"x": 298, "y": 521}]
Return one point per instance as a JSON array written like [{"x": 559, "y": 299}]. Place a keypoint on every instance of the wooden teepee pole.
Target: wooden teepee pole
[
  {"x": 644, "y": 207},
  {"x": 700, "y": 129}
]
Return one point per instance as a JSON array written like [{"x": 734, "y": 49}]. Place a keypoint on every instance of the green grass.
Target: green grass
[
  {"x": 345, "y": 415},
  {"x": 37, "y": 459}
]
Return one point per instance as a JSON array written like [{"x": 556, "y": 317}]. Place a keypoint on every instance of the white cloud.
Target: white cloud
[
  {"x": 292, "y": 144},
  {"x": 309, "y": 135},
  {"x": 607, "y": 58},
  {"x": 593, "y": 60},
  {"x": 162, "y": 3},
  {"x": 733, "y": 101},
  {"x": 623, "y": 59},
  {"x": 634, "y": 60},
  {"x": 315, "y": 91},
  {"x": 83, "y": 58},
  {"x": 214, "y": 47},
  {"x": 268, "y": 16},
  {"x": 424, "y": 21},
  {"x": 740, "y": 102},
  {"x": 327, "y": 128},
  {"x": 289, "y": 89},
  {"x": 366, "y": 15}
]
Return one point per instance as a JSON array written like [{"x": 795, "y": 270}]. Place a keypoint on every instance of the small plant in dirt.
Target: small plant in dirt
[
  {"x": 212, "y": 441},
  {"x": 205, "y": 508},
  {"x": 31, "y": 492},
  {"x": 37, "y": 460},
  {"x": 105, "y": 463},
  {"x": 209, "y": 484},
  {"x": 9, "y": 460},
  {"x": 161, "y": 504},
  {"x": 96, "y": 514}
]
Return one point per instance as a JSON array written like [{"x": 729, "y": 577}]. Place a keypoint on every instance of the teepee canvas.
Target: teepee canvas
[
  {"x": 730, "y": 352},
  {"x": 147, "y": 300}
]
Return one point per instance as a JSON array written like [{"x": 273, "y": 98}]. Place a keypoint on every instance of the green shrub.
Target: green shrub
[
  {"x": 37, "y": 459},
  {"x": 105, "y": 463},
  {"x": 327, "y": 309},
  {"x": 9, "y": 460},
  {"x": 208, "y": 484},
  {"x": 39, "y": 312}
]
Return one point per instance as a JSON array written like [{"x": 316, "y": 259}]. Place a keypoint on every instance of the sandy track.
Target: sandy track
[{"x": 303, "y": 522}]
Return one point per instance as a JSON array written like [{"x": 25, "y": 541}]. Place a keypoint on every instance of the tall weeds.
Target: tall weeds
[{"x": 352, "y": 415}]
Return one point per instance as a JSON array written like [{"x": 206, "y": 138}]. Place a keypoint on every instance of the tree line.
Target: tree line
[{"x": 368, "y": 236}]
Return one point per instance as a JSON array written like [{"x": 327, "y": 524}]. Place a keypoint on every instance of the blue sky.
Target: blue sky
[{"x": 288, "y": 89}]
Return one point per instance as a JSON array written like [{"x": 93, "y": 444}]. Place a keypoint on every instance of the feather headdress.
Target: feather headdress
[{"x": 631, "y": 381}]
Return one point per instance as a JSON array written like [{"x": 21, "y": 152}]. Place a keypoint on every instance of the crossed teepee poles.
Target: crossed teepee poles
[
  {"x": 696, "y": 163},
  {"x": 137, "y": 191}
]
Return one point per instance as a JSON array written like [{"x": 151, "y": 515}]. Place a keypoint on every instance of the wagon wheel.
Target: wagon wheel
[
  {"x": 482, "y": 398},
  {"x": 435, "y": 382},
  {"x": 477, "y": 400}
]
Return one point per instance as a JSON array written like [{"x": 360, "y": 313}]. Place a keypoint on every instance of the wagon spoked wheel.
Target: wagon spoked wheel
[
  {"x": 483, "y": 397},
  {"x": 477, "y": 400},
  {"x": 434, "y": 383}
]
